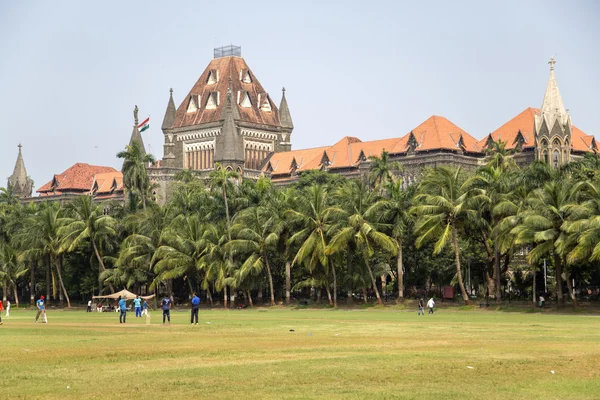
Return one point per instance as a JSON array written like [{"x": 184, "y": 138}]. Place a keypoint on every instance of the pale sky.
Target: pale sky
[{"x": 72, "y": 71}]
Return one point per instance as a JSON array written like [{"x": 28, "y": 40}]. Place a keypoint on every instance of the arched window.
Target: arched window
[{"x": 556, "y": 159}]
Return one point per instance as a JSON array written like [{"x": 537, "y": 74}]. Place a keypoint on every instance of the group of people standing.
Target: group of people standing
[
  {"x": 140, "y": 308},
  {"x": 7, "y": 310}
]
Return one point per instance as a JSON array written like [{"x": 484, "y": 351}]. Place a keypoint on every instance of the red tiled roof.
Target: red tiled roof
[
  {"x": 107, "y": 182},
  {"x": 524, "y": 122},
  {"x": 438, "y": 133},
  {"x": 227, "y": 69},
  {"x": 282, "y": 162},
  {"x": 78, "y": 178}
]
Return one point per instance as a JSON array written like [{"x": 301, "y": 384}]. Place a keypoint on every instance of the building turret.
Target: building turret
[
  {"x": 20, "y": 183},
  {"x": 229, "y": 145},
  {"x": 167, "y": 125},
  {"x": 552, "y": 127},
  {"x": 286, "y": 123}
]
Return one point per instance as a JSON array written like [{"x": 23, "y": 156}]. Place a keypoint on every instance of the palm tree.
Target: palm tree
[
  {"x": 88, "y": 223},
  {"x": 41, "y": 239},
  {"x": 542, "y": 226},
  {"x": 135, "y": 177},
  {"x": 383, "y": 171},
  {"x": 256, "y": 231},
  {"x": 10, "y": 270},
  {"x": 356, "y": 200},
  {"x": 586, "y": 229},
  {"x": 394, "y": 210},
  {"x": 444, "y": 205},
  {"x": 316, "y": 217},
  {"x": 221, "y": 179}
]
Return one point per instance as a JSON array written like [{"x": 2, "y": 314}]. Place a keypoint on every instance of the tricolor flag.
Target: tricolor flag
[{"x": 144, "y": 125}]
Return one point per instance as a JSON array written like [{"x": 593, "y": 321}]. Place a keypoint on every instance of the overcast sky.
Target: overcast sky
[{"x": 72, "y": 71}]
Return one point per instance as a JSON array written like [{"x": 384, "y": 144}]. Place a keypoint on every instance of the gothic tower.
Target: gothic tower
[
  {"x": 228, "y": 118},
  {"x": 21, "y": 184},
  {"x": 552, "y": 127}
]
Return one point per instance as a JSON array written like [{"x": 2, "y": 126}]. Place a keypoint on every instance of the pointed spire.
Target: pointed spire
[
  {"x": 19, "y": 181},
  {"x": 229, "y": 146},
  {"x": 136, "y": 136},
  {"x": 552, "y": 106},
  {"x": 169, "y": 118},
  {"x": 284, "y": 112}
]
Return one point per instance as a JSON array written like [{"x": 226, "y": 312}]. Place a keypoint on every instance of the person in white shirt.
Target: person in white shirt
[
  {"x": 431, "y": 304},
  {"x": 89, "y": 309},
  {"x": 7, "y": 308}
]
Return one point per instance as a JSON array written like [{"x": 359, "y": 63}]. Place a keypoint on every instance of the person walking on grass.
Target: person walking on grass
[
  {"x": 421, "y": 307},
  {"x": 431, "y": 304},
  {"x": 195, "y": 306},
  {"x": 145, "y": 308},
  {"x": 166, "y": 309},
  {"x": 41, "y": 309},
  {"x": 137, "y": 302},
  {"x": 123, "y": 309},
  {"x": 89, "y": 309}
]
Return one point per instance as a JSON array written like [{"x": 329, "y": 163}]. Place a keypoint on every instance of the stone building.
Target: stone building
[
  {"x": 545, "y": 134},
  {"x": 227, "y": 117},
  {"x": 20, "y": 183}
]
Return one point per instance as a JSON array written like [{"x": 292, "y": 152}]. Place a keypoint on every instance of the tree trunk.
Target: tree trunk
[
  {"x": 571, "y": 293},
  {"x": 32, "y": 284},
  {"x": 4, "y": 291},
  {"x": 48, "y": 279},
  {"x": 463, "y": 292},
  {"x": 364, "y": 292},
  {"x": 60, "y": 280},
  {"x": 209, "y": 295},
  {"x": 260, "y": 296},
  {"x": 329, "y": 295},
  {"x": 400, "y": 271},
  {"x": 534, "y": 268},
  {"x": 16, "y": 294},
  {"x": 334, "y": 285},
  {"x": 225, "y": 296},
  {"x": 270, "y": 278},
  {"x": 101, "y": 268},
  {"x": 559, "y": 281},
  {"x": 288, "y": 278},
  {"x": 497, "y": 275},
  {"x": 250, "y": 299},
  {"x": 232, "y": 293},
  {"x": 349, "y": 299},
  {"x": 374, "y": 282},
  {"x": 319, "y": 290}
]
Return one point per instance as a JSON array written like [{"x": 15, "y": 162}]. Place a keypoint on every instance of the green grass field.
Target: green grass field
[{"x": 375, "y": 353}]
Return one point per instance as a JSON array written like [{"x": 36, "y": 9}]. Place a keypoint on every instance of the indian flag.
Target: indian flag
[{"x": 144, "y": 125}]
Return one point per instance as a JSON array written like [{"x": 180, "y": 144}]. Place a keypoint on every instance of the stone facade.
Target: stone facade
[{"x": 20, "y": 183}]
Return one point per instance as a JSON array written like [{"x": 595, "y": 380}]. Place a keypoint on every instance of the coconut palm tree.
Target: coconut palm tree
[
  {"x": 40, "y": 237},
  {"x": 393, "y": 209},
  {"x": 383, "y": 171},
  {"x": 10, "y": 270},
  {"x": 444, "y": 204},
  {"x": 135, "y": 177},
  {"x": 256, "y": 232},
  {"x": 87, "y": 223},
  {"x": 316, "y": 218},
  {"x": 356, "y": 200},
  {"x": 542, "y": 226}
]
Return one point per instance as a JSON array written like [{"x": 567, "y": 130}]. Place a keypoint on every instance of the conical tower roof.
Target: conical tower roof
[
  {"x": 284, "y": 112},
  {"x": 170, "y": 113},
  {"x": 136, "y": 136},
  {"x": 19, "y": 181},
  {"x": 553, "y": 109}
]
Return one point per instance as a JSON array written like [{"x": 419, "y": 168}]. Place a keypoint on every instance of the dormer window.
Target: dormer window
[
  {"x": 264, "y": 102},
  {"x": 192, "y": 105},
  {"x": 213, "y": 77},
  {"x": 213, "y": 100},
  {"x": 245, "y": 100},
  {"x": 245, "y": 76}
]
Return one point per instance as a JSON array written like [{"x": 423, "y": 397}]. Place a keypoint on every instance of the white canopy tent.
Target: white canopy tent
[{"x": 123, "y": 294}]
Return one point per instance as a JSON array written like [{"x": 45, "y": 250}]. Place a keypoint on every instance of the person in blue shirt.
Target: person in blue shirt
[
  {"x": 166, "y": 307},
  {"x": 41, "y": 308},
  {"x": 137, "y": 302},
  {"x": 123, "y": 309},
  {"x": 195, "y": 306},
  {"x": 145, "y": 308}
]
